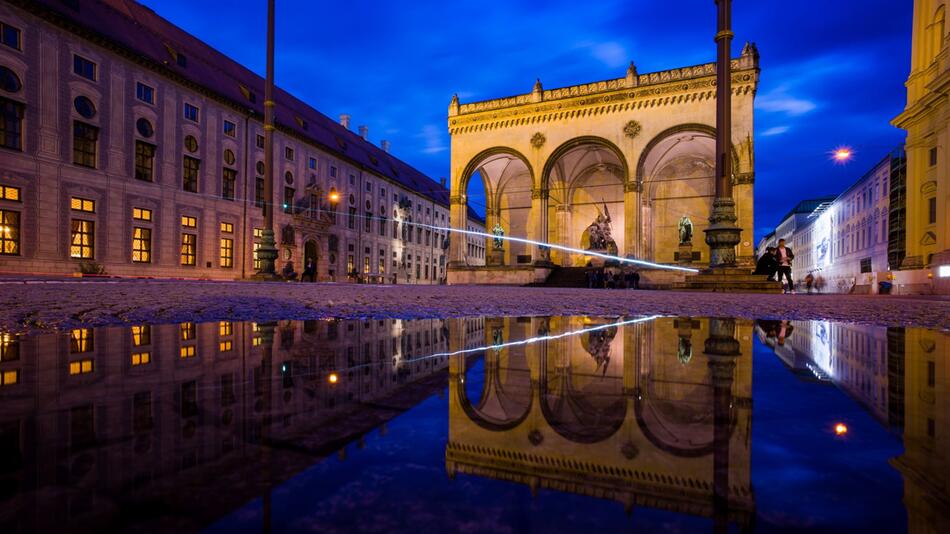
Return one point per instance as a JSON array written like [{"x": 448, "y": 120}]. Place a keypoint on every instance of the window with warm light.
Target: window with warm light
[
  {"x": 225, "y": 346},
  {"x": 81, "y": 367},
  {"x": 142, "y": 214},
  {"x": 225, "y": 328},
  {"x": 189, "y": 249},
  {"x": 9, "y": 232},
  {"x": 82, "y": 239},
  {"x": 82, "y": 204},
  {"x": 227, "y": 253},
  {"x": 141, "y": 358},
  {"x": 141, "y": 245},
  {"x": 8, "y": 192},
  {"x": 188, "y": 351}
]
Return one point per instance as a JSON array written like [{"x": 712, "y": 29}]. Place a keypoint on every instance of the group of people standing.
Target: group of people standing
[
  {"x": 612, "y": 278},
  {"x": 777, "y": 261}
]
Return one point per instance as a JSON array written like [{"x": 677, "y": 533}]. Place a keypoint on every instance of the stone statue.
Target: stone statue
[
  {"x": 599, "y": 233},
  {"x": 686, "y": 230},
  {"x": 498, "y": 232}
]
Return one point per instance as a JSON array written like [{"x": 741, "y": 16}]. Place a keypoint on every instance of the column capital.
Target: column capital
[
  {"x": 457, "y": 199},
  {"x": 537, "y": 193},
  {"x": 632, "y": 187},
  {"x": 744, "y": 178}
]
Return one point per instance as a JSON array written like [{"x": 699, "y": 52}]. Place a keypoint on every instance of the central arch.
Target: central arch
[{"x": 582, "y": 179}]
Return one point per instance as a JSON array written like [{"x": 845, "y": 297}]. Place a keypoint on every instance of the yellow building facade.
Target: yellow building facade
[
  {"x": 928, "y": 137},
  {"x": 639, "y": 149}
]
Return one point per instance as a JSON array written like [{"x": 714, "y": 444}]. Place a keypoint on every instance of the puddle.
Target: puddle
[{"x": 500, "y": 424}]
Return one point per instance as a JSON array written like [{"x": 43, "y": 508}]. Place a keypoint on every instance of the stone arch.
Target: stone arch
[
  {"x": 679, "y": 128},
  {"x": 494, "y": 398},
  {"x": 575, "y": 142},
  {"x": 479, "y": 159}
]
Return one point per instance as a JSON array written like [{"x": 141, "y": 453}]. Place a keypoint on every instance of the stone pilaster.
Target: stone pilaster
[{"x": 631, "y": 219}]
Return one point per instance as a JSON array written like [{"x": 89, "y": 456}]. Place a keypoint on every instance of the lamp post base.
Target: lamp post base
[{"x": 267, "y": 255}]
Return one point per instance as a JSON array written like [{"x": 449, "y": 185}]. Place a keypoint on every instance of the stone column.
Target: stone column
[
  {"x": 458, "y": 217},
  {"x": 563, "y": 214},
  {"x": 539, "y": 227},
  {"x": 723, "y": 235},
  {"x": 631, "y": 219}
]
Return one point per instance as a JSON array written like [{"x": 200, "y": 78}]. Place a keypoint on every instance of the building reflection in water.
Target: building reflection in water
[
  {"x": 174, "y": 425},
  {"x": 902, "y": 377},
  {"x": 655, "y": 413}
]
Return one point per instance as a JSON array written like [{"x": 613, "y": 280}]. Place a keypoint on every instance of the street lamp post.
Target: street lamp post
[
  {"x": 723, "y": 235},
  {"x": 267, "y": 252}
]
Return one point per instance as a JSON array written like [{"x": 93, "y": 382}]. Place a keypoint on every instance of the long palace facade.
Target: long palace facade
[{"x": 128, "y": 146}]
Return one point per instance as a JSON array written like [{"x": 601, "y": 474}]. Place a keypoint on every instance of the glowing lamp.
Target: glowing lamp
[
  {"x": 334, "y": 197},
  {"x": 842, "y": 154},
  {"x": 841, "y": 429},
  {"x": 333, "y": 378}
]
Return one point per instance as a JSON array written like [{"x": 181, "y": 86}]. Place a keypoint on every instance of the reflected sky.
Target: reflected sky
[{"x": 508, "y": 424}]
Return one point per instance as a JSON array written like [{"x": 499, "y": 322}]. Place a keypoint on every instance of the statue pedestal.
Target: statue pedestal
[
  {"x": 495, "y": 257},
  {"x": 685, "y": 253}
]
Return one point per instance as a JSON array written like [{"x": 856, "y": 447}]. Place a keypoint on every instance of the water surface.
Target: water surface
[{"x": 501, "y": 424}]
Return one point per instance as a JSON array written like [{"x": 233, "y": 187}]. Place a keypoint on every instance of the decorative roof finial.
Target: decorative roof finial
[
  {"x": 750, "y": 49},
  {"x": 454, "y": 105},
  {"x": 537, "y": 85},
  {"x": 631, "y": 75}
]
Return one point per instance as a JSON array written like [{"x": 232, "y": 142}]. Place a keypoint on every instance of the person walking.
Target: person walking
[{"x": 785, "y": 256}]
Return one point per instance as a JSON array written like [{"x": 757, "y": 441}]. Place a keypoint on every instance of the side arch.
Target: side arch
[
  {"x": 679, "y": 128},
  {"x": 475, "y": 162}
]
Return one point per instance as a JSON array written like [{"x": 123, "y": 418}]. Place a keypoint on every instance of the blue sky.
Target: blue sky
[{"x": 832, "y": 72}]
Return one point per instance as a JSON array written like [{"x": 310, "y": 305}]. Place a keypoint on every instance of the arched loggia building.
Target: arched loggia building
[{"x": 640, "y": 149}]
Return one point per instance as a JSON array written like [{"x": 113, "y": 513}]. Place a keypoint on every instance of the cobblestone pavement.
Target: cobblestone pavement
[{"x": 27, "y": 304}]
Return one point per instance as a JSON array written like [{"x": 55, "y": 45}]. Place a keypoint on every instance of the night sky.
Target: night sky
[{"x": 832, "y": 72}]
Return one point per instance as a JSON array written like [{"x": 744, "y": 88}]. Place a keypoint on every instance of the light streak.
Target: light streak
[
  {"x": 536, "y": 339},
  {"x": 558, "y": 247}
]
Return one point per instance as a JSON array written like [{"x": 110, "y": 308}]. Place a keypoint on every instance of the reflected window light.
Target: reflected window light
[
  {"x": 81, "y": 340},
  {"x": 187, "y": 331},
  {"x": 9, "y": 347},
  {"x": 141, "y": 358},
  {"x": 188, "y": 351},
  {"x": 225, "y": 328},
  {"x": 10, "y": 377},
  {"x": 225, "y": 346},
  {"x": 141, "y": 335}
]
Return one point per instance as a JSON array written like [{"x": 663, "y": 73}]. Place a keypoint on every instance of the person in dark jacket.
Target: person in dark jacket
[
  {"x": 309, "y": 271},
  {"x": 784, "y": 256},
  {"x": 767, "y": 264}
]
